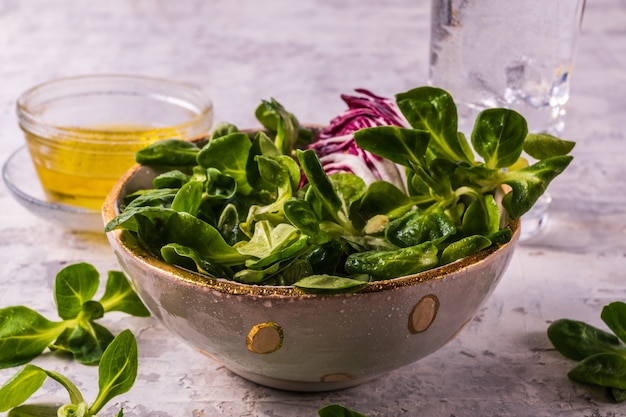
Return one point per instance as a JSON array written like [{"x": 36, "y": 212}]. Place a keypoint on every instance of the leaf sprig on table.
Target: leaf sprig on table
[
  {"x": 25, "y": 333},
  {"x": 601, "y": 355},
  {"x": 117, "y": 372}
]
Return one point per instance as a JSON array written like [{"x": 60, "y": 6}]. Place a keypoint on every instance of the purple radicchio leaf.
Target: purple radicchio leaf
[{"x": 338, "y": 151}]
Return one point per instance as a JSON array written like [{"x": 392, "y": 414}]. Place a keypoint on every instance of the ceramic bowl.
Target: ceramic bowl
[{"x": 283, "y": 338}]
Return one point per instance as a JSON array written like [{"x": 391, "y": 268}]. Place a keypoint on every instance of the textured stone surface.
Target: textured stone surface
[{"x": 305, "y": 54}]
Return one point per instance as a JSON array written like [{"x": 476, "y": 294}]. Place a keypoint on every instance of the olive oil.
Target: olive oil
[{"x": 80, "y": 166}]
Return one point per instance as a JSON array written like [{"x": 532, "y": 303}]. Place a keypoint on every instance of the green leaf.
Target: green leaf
[
  {"x": 439, "y": 178},
  {"x": 128, "y": 219},
  {"x": 393, "y": 263},
  {"x": 21, "y": 386},
  {"x": 292, "y": 169},
  {"x": 34, "y": 410},
  {"x": 336, "y": 410},
  {"x": 255, "y": 276},
  {"x": 289, "y": 272},
  {"x": 319, "y": 181},
  {"x": 117, "y": 370},
  {"x": 349, "y": 188},
  {"x": 267, "y": 241},
  {"x": 325, "y": 258},
  {"x": 170, "y": 152},
  {"x": 24, "y": 334},
  {"x": 577, "y": 340},
  {"x": 170, "y": 179},
  {"x": 420, "y": 226},
  {"x": 74, "y": 285},
  {"x": 382, "y": 197},
  {"x": 542, "y": 146},
  {"x": 187, "y": 230},
  {"x": 328, "y": 284},
  {"x": 482, "y": 216},
  {"x": 498, "y": 136},
  {"x": 279, "y": 121},
  {"x": 189, "y": 258},
  {"x": 223, "y": 129},
  {"x": 277, "y": 171},
  {"x": 501, "y": 237},
  {"x": 528, "y": 184},
  {"x": 464, "y": 247},
  {"x": 475, "y": 175},
  {"x": 88, "y": 341},
  {"x": 162, "y": 197},
  {"x": 262, "y": 145},
  {"x": 397, "y": 144},
  {"x": 91, "y": 310},
  {"x": 219, "y": 187},
  {"x": 433, "y": 110},
  {"x": 228, "y": 224},
  {"x": 119, "y": 295},
  {"x": 189, "y": 197},
  {"x": 291, "y": 248},
  {"x": 301, "y": 215},
  {"x": 228, "y": 154},
  {"x": 614, "y": 315},
  {"x": 603, "y": 369}
]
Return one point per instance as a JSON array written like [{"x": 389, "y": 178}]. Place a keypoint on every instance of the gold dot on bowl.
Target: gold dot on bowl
[
  {"x": 423, "y": 313},
  {"x": 265, "y": 338}
]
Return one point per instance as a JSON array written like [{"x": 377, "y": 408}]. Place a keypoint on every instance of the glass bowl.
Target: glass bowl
[{"x": 82, "y": 132}]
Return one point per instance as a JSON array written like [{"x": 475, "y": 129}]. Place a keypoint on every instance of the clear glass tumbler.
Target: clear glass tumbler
[{"x": 507, "y": 53}]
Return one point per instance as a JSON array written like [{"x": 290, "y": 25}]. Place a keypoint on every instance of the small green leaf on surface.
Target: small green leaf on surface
[
  {"x": 601, "y": 355},
  {"x": 336, "y": 410},
  {"x": 74, "y": 285},
  {"x": 19, "y": 388},
  {"x": 117, "y": 372},
  {"x": 25, "y": 334}
]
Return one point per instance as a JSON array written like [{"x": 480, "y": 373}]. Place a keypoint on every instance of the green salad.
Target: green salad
[{"x": 389, "y": 188}]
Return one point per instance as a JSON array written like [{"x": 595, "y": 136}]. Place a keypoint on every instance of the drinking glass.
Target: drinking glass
[{"x": 507, "y": 53}]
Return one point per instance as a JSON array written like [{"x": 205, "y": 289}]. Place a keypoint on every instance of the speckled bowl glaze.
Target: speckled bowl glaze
[{"x": 282, "y": 338}]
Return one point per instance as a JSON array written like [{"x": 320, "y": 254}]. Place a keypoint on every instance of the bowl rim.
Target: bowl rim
[{"x": 124, "y": 240}]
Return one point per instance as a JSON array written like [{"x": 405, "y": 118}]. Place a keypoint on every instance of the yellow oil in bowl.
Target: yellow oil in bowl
[{"x": 81, "y": 173}]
